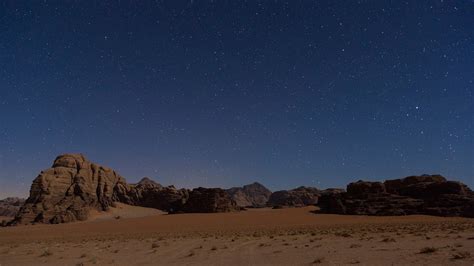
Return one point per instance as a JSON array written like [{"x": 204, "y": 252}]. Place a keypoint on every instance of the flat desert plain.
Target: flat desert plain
[{"x": 295, "y": 236}]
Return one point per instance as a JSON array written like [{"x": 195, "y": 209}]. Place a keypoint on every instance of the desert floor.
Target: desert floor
[{"x": 255, "y": 237}]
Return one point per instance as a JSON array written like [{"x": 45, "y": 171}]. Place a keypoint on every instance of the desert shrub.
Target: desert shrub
[
  {"x": 428, "y": 250},
  {"x": 318, "y": 260},
  {"x": 46, "y": 253},
  {"x": 461, "y": 255}
]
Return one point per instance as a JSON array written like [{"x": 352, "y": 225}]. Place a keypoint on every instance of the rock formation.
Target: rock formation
[
  {"x": 73, "y": 186},
  {"x": 426, "y": 194},
  {"x": 298, "y": 197},
  {"x": 10, "y": 206},
  {"x": 254, "y": 195},
  {"x": 66, "y": 191},
  {"x": 206, "y": 200},
  {"x": 148, "y": 193}
]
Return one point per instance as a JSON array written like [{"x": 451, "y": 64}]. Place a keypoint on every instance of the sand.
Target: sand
[
  {"x": 5, "y": 218},
  {"x": 295, "y": 236}
]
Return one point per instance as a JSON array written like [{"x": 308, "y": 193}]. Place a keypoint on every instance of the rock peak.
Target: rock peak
[
  {"x": 69, "y": 160},
  {"x": 68, "y": 190},
  {"x": 148, "y": 181}
]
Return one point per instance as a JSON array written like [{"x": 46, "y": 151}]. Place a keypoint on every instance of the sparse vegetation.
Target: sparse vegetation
[
  {"x": 318, "y": 260},
  {"x": 461, "y": 255},
  {"x": 46, "y": 253},
  {"x": 428, "y": 250},
  {"x": 344, "y": 234}
]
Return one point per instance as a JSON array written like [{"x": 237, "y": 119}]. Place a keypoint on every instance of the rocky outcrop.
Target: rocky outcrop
[
  {"x": 298, "y": 197},
  {"x": 9, "y": 207},
  {"x": 254, "y": 195},
  {"x": 73, "y": 186},
  {"x": 148, "y": 193},
  {"x": 207, "y": 200},
  {"x": 68, "y": 190},
  {"x": 426, "y": 194}
]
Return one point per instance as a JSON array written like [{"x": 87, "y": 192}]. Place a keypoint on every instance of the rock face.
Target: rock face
[
  {"x": 148, "y": 193},
  {"x": 426, "y": 194},
  {"x": 206, "y": 200},
  {"x": 254, "y": 195},
  {"x": 10, "y": 206},
  {"x": 298, "y": 197},
  {"x": 66, "y": 191}
]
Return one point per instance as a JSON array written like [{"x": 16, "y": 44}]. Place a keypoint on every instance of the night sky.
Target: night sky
[{"x": 223, "y": 93}]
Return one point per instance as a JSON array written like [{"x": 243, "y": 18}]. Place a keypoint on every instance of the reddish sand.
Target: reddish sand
[{"x": 255, "y": 237}]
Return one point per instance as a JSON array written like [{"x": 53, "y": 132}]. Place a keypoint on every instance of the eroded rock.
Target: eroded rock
[
  {"x": 9, "y": 207},
  {"x": 426, "y": 194},
  {"x": 298, "y": 197},
  {"x": 66, "y": 191},
  {"x": 254, "y": 195}
]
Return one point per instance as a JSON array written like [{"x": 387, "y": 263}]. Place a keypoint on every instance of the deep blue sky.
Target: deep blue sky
[{"x": 222, "y": 93}]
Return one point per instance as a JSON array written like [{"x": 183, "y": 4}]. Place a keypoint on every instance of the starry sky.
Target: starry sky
[{"x": 223, "y": 93}]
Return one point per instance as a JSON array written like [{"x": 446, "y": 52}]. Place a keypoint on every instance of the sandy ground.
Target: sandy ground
[
  {"x": 5, "y": 218},
  {"x": 254, "y": 237},
  {"x": 123, "y": 211}
]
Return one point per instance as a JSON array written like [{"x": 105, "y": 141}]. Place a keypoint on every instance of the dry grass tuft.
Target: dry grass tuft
[
  {"x": 461, "y": 255},
  {"x": 46, "y": 253},
  {"x": 344, "y": 234},
  {"x": 428, "y": 250},
  {"x": 318, "y": 260}
]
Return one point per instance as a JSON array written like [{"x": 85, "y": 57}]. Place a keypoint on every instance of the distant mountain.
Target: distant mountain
[
  {"x": 146, "y": 181},
  {"x": 10, "y": 206},
  {"x": 253, "y": 195}
]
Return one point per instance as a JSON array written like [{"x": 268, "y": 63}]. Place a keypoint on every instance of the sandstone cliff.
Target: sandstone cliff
[{"x": 426, "y": 194}]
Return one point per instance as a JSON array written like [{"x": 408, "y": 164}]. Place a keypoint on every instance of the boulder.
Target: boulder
[
  {"x": 298, "y": 197},
  {"x": 254, "y": 195}
]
